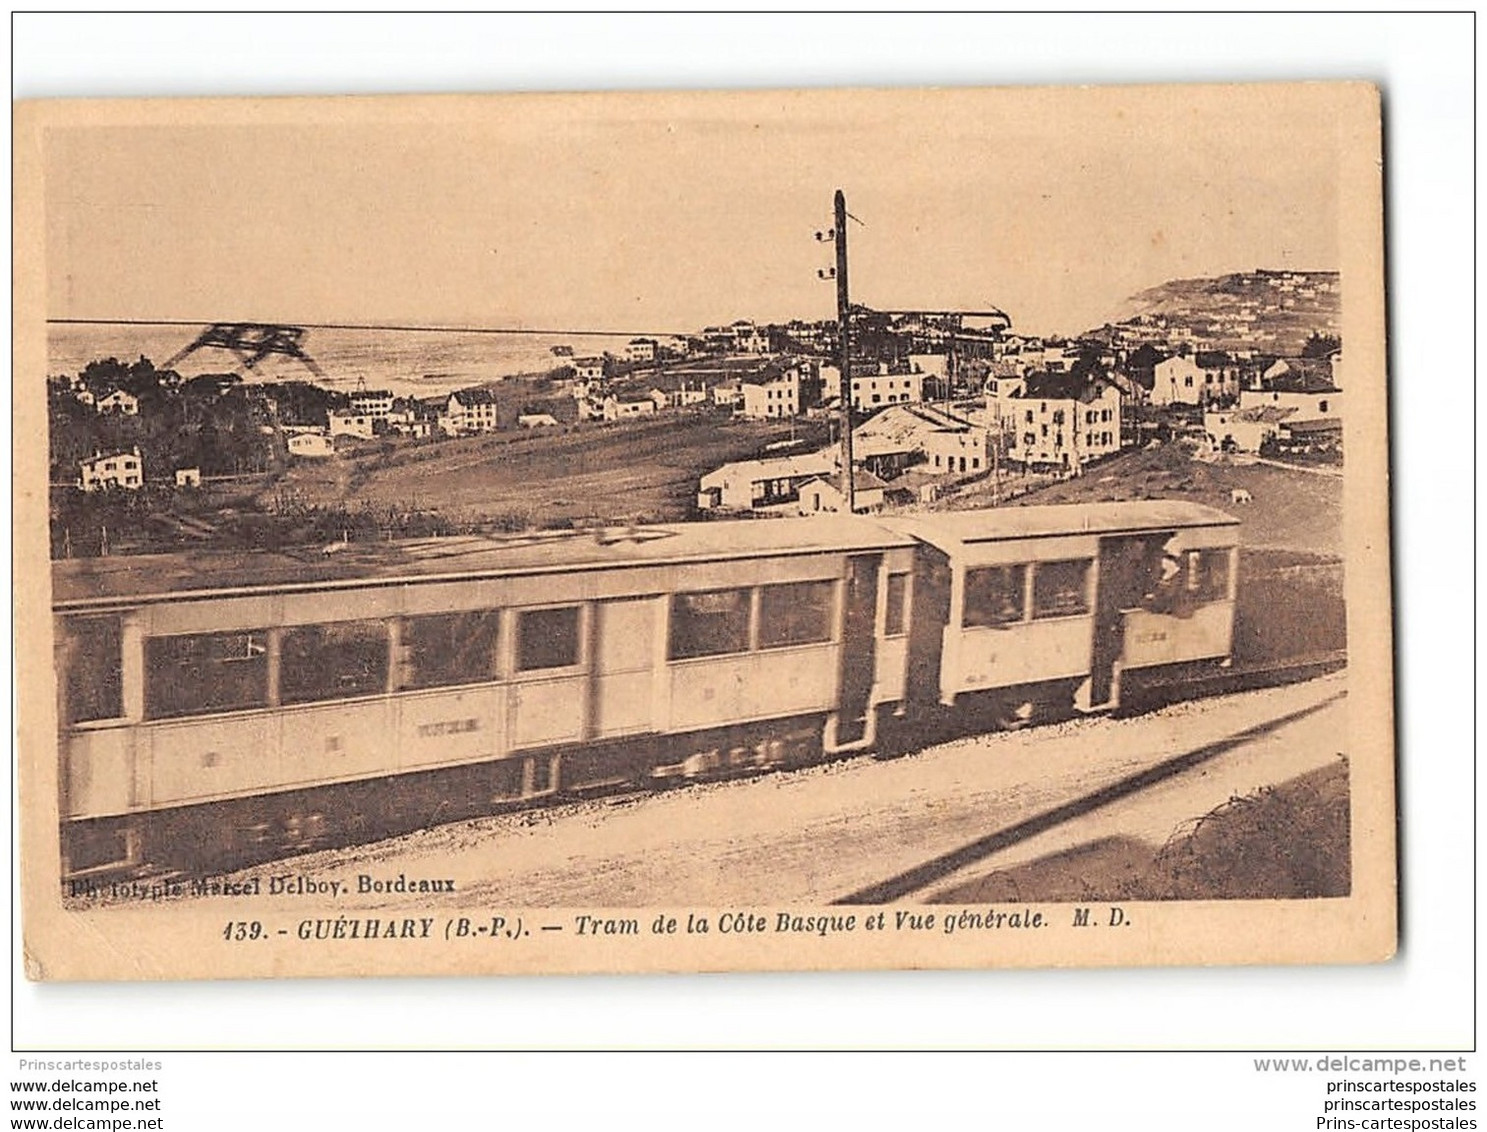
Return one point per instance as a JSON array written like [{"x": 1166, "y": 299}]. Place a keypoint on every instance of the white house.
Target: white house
[
  {"x": 112, "y": 469},
  {"x": 873, "y": 391},
  {"x": 1178, "y": 381},
  {"x": 1311, "y": 400},
  {"x": 1062, "y": 421},
  {"x": 778, "y": 396},
  {"x": 748, "y": 338},
  {"x": 727, "y": 396},
  {"x": 408, "y": 421},
  {"x": 949, "y": 442},
  {"x": 1245, "y": 430},
  {"x": 1002, "y": 388},
  {"x": 349, "y": 422},
  {"x": 1220, "y": 376},
  {"x": 374, "y": 403},
  {"x": 588, "y": 369},
  {"x": 311, "y": 445},
  {"x": 763, "y": 483},
  {"x": 469, "y": 411},
  {"x": 958, "y": 452},
  {"x": 640, "y": 350},
  {"x": 825, "y": 493},
  {"x": 622, "y": 409},
  {"x": 188, "y": 477},
  {"x": 120, "y": 401}
]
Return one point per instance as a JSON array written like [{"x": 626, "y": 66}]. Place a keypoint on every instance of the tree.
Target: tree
[{"x": 1320, "y": 345}]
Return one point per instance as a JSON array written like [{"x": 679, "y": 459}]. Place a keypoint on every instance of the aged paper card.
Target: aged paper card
[{"x": 704, "y": 531}]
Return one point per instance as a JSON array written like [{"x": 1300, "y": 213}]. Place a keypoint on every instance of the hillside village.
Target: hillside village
[{"x": 1245, "y": 367}]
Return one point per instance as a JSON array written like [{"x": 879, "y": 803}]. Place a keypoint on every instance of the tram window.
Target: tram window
[
  {"x": 95, "y": 682},
  {"x": 205, "y": 672},
  {"x": 332, "y": 662},
  {"x": 450, "y": 648},
  {"x": 547, "y": 638},
  {"x": 994, "y": 596},
  {"x": 1208, "y": 574},
  {"x": 709, "y": 624},
  {"x": 798, "y": 613},
  {"x": 893, "y": 616},
  {"x": 1060, "y": 589}
]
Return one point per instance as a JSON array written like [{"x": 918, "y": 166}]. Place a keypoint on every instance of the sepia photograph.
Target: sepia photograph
[{"x": 696, "y": 531}]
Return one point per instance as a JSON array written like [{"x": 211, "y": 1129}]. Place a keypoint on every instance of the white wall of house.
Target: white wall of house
[
  {"x": 956, "y": 453},
  {"x": 1308, "y": 406},
  {"x": 1002, "y": 394},
  {"x": 115, "y": 469},
  {"x": 777, "y": 398},
  {"x": 1064, "y": 433},
  {"x": 311, "y": 445},
  {"x": 743, "y": 484},
  {"x": 874, "y": 391},
  {"x": 617, "y": 410},
  {"x": 463, "y": 416},
  {"x": 126, "y": 404},
  {"x": 351, "y": 424},
  {"x": 1245, "y": 427},
  {"x": 374, "y": 403},
  {"x": 1179, "y": 381}
]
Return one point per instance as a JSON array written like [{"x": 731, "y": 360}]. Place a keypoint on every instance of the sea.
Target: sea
[{"x": 409, "y": 363}]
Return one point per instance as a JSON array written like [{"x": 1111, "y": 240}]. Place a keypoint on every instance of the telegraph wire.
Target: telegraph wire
[{"x": 533, "y": 331}]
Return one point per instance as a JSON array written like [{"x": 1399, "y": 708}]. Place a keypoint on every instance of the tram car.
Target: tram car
[{"x": 216, "y": 708}]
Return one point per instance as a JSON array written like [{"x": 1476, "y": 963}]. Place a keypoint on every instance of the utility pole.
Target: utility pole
[
  {"x": 838, "y": 234},
  {"x": 950, "y": 366},
  {"x": 844, "y": 332}
]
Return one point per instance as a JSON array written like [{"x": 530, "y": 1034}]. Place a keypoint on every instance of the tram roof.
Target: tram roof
[
  {"x": 951, "y": 529},
  {"x": 82, "y": 581}
]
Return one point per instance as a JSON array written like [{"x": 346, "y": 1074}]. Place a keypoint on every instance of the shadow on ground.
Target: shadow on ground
[{"x": 1288, "y": 841}]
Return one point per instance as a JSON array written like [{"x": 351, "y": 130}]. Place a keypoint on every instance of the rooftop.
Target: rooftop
[
  {"x": 85, "y": 582},
  {"x": 950, "y": 530}
]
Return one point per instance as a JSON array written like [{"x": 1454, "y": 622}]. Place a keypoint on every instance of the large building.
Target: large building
[
  {"x": 374, "y": 403},
  {"x": 470, "y": 410},
  {"x": 1062, "y": 421}
]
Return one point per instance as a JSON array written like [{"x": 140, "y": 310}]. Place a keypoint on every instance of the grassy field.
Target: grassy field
[
  {"x": 1289, "y": 841},
  {"x": 644, "y": 470}
]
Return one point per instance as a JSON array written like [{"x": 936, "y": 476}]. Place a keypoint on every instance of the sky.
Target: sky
[{"x": 667, "y": 212}]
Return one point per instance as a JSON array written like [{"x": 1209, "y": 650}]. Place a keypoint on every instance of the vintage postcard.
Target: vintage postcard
[{"x": 703, "y": 531}]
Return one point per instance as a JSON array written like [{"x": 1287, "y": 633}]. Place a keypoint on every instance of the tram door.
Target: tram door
[
  {"x": 1125, "y": 574},
  {"x": 859, "y": 646}
]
